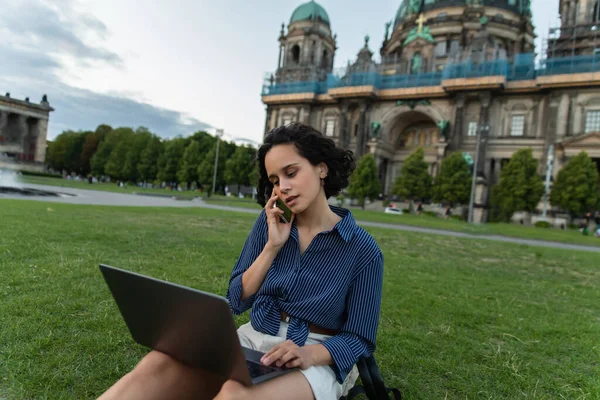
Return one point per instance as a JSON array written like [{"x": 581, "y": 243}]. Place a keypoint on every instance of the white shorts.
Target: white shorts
[{"x": 321, "y": 378}]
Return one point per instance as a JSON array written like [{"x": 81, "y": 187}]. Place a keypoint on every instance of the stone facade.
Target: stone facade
[
  {"x": 23, "y": 131},
  {"x": 451, "y": 70}
]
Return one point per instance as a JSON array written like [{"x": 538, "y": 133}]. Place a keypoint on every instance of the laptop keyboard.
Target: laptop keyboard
[{"x": 257, "y": 370}]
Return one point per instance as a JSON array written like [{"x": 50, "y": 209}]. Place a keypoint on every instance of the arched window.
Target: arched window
[{"x": 296, "y": 54}]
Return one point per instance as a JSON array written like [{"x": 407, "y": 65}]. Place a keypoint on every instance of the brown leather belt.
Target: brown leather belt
[{"x": 312, "y": 327}]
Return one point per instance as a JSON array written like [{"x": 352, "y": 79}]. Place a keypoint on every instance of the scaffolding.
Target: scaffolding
[{"x": 581, "y": 38}]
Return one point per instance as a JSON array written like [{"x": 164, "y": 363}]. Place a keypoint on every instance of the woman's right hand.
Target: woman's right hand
[{"x": 279, "y": 232}]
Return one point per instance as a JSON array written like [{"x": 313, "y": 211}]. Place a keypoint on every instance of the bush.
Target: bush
[
  {"x": 42, "y": 174},
  {"x": 543, "y": 224}
]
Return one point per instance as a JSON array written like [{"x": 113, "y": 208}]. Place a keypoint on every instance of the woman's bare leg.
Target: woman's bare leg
[
  {"x": 292, "y": 386},
  {"x": 159, "y": 376}
]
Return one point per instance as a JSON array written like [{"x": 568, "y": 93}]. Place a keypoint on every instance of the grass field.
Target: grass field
[
  {"x": 512, "y": 230},
  {"x": 460, "y": 319}
]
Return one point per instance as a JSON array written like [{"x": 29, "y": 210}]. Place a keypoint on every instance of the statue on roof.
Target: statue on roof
[
  {"x": 387, "y": 30},
  {"x": 526, "y": 7}
]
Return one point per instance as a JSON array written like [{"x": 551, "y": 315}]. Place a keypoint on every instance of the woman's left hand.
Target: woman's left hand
[{"x": 289, "y": 355}]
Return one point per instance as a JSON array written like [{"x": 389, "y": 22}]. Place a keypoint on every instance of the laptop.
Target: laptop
[{"x": 194, "y": 327}]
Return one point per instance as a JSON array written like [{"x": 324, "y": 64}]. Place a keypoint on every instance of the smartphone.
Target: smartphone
[{"x": 287, "y": 213}]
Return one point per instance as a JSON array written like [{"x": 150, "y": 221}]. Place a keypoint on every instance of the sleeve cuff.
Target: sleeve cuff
[
  {"x": 234, "y": 296},
  {"x": 345, "y": 349}
]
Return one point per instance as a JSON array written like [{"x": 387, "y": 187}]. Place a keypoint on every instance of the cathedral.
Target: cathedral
[{"x": 452, "y": 75}]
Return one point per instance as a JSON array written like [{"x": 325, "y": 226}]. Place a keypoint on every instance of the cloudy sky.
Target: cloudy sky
[{"x": 174, "y": 66}]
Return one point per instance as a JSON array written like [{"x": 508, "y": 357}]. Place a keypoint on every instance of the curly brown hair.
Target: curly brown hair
[{"x": 316, "y": 148}]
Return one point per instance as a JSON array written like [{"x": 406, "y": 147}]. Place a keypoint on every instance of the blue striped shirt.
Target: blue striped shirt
[{"x": 335, "y": 284}]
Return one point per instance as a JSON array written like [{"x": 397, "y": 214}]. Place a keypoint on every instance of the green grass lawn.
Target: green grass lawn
[
  {"x": 513, "y": 230},
  {"x": 460, "y": 319},
  {"x": 106, "y": 187}
]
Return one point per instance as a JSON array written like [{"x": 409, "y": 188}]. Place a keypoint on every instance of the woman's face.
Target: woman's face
[{"x": 295, "y": 180}]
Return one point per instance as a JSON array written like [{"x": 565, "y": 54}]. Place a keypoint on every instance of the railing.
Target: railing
[
  {"x": 413, "y": 80},
  {"x": 522, "y": 67},
  {"x": 354, "y": 79},
  {"x": 292, "y": 87},
  {"x": 471, "y": 70},
  {"x": 570, "y": 65}
]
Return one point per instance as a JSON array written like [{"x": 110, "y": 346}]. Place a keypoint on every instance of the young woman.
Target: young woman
[{"x": 313, "y": 285}]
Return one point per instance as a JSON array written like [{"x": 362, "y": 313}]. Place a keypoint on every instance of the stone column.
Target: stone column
[
  {"x": 40, "y": 146},
  {"x": 457, "y": 129},
  {"x": 387, "y": 189},
  {"x": 562, "y": 120},
  {"x": 577, "y": 120},
  {"x": 487, "y": 170},
  {"x": 22, "y": 135},
  {"x": 344, "y": 136},
  {"x": 267, "y": 120},
  {"x": 3, "y": 120},
  {"x": 362, "y": 132},
  {"x": 275, "y": 119},
  {"x": 497, "y": 169}
]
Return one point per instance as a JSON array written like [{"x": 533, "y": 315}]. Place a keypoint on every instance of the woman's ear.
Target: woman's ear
[{"x": 323, "y": 170}]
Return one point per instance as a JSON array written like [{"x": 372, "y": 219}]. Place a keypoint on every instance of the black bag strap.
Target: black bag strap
[
  {"x": 373, "y": 386},
  {"x": 381, "y": 391},
  {"x": 365, "y": 377}
]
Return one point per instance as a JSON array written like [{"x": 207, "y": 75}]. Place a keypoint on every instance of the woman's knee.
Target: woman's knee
[{"x": 156, "y": 362}]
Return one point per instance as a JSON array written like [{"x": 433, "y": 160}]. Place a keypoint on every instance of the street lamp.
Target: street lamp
[
  {"x": 219, "y": 135},
  {"x": 474, "y": 178}
]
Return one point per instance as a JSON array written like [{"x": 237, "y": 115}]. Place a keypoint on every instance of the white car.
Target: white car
[{"x": 391, "y": 210}]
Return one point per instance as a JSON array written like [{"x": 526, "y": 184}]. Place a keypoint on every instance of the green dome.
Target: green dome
[
  {"x": 310, "y": 11},
  {"x": 408, "y": 7}
]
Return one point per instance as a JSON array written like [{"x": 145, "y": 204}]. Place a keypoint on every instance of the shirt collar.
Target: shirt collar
[
  {"x": 345, "y": 228},
  {"x": 347, "y": 225}
]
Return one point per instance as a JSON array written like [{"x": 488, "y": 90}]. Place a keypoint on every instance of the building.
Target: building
[
  {"x": 23, "y": 131},
  {"x": 448, "y": 71}
]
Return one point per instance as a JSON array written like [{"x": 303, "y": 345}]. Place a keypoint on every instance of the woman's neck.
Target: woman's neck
[{"x": 317, "y": 217}]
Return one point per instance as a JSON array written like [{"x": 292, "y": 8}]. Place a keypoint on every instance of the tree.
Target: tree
[
  {"x": 364, "y": 182},
  {"x": 169, "y": 161},
  {"x": 105, "y": 148},
  {"x": 414, "y": 181},
  {"x": 57, "y": 150},
  {"x": 238, "y": 168},
  {"x": 116, "y": 160},
  {"x": 90, "y": 146},
  {"x": 192, "y": 157},
  {"x": 137, "y": 145},
  {"x": 520, "y": 187},
  {"x": 148, "y": 165},
  {"x": 65, "y": 151},
  {"x": 576, "y": 187},
  {"x": 453, "y": 184}
]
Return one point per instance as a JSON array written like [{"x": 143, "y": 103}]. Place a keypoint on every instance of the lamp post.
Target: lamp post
[
  {"x": 219, "y": 135},
  {"x": 475, "y": 165}
]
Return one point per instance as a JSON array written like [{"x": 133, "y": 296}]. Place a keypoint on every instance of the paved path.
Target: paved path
[{"x": 119, "y": 199}]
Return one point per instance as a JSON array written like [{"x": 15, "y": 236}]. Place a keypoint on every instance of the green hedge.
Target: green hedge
[
  {"x": 543, "y": 224},
  {"x": 43, "y": 174}
]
